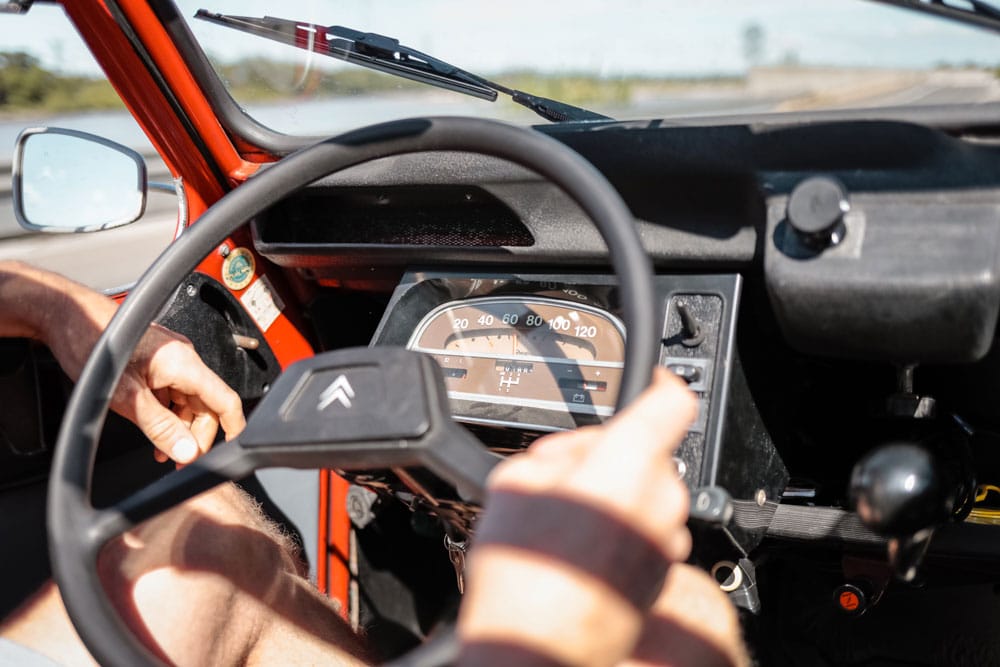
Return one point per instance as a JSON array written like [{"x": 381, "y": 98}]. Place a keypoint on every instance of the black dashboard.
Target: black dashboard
[
  {"x": 922, "y": 222},
  {"x": 815, "y": 339},
  {"x": 810, "y": 341},
  {"x": 805, "y": 350}
]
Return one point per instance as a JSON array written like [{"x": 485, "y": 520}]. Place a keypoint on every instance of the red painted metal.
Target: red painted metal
[
  {"x": 338, "y": 545},
  {"x": 182, "y": 155},
  {"x": 151, "y": 110},
  {"x": 323, "y": 532},
  {"x": 175, "y": 71}
]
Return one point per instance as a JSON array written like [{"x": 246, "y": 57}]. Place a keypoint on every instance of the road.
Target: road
[{"x": 103, "y": 260}]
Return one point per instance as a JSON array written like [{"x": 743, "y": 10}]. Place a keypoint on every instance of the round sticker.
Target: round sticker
[{"x": 237, "y": 269}]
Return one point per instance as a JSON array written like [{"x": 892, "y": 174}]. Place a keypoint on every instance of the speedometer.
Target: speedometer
[{"x": 506, "y": 358}]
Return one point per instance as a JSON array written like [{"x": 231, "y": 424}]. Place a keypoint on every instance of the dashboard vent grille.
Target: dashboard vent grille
[{"x": 450, "y": 216}]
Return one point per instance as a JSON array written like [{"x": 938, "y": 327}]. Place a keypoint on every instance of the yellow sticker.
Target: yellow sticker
[{"x": 237, "y": 269}]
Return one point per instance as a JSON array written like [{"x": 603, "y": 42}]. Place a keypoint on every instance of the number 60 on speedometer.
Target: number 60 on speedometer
[{"x": 528, "y": 352}]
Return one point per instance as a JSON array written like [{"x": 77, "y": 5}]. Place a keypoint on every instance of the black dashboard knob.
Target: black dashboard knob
[
  {"x": 816, "y": 211},
  {"x": 900, "y": 489}
]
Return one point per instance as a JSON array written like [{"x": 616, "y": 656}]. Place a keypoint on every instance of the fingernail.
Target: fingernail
[{"x": 184, "y": 450}]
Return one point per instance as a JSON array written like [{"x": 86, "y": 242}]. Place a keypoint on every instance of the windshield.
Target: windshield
[{"x": 641, "y": 59}]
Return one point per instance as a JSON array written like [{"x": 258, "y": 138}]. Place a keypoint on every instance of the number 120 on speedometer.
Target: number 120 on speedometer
[{"x": 526, "y": 351}]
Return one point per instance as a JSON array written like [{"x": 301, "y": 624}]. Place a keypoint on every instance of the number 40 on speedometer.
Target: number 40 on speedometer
[{"x": 535, "y": 352}]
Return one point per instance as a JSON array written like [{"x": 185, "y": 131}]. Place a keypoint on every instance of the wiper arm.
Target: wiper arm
[
  {"x": 387, "y": 55},
  {"x": 972, "y": 12}
]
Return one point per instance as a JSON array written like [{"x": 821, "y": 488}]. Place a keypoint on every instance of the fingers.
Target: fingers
[
  {"x": 545, "y": 463},
  {"x": 677, "y": 546},
  {"x": 636, "y": 444},
  {"x": 692, "y": 623},
  {"x": 189, "y": 377},
  {"x": 165, "y": 430},
  {"x": 166, "y": 370},
  {"x": 655, "y": 423},
  {"x": 624, "y": 467},
  {"x": 169, "y": 360},
  {"x": 202, "y": 422}
]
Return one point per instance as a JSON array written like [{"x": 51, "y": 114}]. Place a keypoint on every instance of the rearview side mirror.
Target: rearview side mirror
[{"x": 69, "y": 181}]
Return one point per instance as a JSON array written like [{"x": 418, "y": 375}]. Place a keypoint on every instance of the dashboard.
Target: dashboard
[
  {"x": 526, "y": 354},
  {"x": 802, "y": 357},
  {"x": 806, "y": 343}
]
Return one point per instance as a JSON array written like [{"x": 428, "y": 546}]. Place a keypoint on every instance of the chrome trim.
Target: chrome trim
[
  {"x": 16, "y": 179},
  {"x": 546, "y": 301},
  {"x": 182, "y": 207},
  {"x": 121, "y": 289},
  {"x": 518, "y": 357},
  {"x": 555, "y": 406},
  {"x": 486, "y": 421}
]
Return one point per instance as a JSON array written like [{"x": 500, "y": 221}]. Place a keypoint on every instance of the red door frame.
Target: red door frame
[{"x": 186, "y": 160}]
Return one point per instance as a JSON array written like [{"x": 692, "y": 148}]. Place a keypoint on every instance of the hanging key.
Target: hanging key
[{"x": 456, "y": 553}]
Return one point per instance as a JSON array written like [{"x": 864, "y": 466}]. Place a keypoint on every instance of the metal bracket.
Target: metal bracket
[{"x": 16, "y": 6}]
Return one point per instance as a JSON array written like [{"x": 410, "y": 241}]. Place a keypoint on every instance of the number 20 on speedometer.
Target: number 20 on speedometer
[{"x": 532, "y": 352}]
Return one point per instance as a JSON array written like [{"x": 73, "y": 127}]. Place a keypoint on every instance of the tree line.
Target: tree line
[{"x": 26, "y": 84}]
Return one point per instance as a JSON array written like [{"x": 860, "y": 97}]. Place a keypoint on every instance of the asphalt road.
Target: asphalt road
[{"x": 103, "y": 260}]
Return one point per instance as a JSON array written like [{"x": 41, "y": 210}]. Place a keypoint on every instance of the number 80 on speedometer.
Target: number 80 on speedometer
[{"x": 526, "y": 352}]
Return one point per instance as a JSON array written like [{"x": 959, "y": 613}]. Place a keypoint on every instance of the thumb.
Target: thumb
[{"x": 164, "y": 429}]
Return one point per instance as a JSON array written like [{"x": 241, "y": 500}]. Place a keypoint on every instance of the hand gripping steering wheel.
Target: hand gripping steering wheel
[{"x": 412, "y": 427}]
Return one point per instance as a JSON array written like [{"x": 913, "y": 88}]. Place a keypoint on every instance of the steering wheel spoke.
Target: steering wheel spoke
[{"x": 224, "y": 462}]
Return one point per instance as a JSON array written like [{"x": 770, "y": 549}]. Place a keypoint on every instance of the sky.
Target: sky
[{"x": 623, "y": 37}]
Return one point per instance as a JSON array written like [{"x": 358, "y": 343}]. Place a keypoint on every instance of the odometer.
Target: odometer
[{"x": 525, "y": 352}]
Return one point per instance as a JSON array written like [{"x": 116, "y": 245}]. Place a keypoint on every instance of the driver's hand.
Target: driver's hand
[
  {"x": 691, "y": 624},
  {"x": 175, "y": 399},
  {"x": 167, "y": 391},
  {"x": 577, "y": 536}
]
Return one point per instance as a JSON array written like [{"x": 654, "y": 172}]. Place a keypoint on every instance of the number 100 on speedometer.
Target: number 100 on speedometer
[{"x": 533, "y": 352}]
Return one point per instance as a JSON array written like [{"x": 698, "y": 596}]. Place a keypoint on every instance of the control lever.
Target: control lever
[
  {"x": 902, "y": 491},
  {"x": 710, "y": 506}
]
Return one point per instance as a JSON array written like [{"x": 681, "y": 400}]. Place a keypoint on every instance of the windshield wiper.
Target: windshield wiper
[
  {"x": 386, "y": 54},
  {"x": 972, "y": 12}
]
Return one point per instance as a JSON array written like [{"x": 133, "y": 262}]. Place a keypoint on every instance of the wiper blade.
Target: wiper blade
[
  {"x": 971, "y": 12},
  {"x": 387, "y": 55},
  {"x": 366, "y": 49}
]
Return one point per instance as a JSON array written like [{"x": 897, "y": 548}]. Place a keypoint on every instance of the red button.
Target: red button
[{"x": 849, "y": 601}]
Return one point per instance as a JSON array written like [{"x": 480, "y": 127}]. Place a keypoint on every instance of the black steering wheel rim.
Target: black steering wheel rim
[{"x": 74, "y": 537}]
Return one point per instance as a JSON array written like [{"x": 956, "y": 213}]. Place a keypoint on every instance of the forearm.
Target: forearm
[{"x": 32, "y": 301}]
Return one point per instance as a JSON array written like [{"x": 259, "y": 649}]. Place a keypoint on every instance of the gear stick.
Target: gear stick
[{"x": 904, "y": 492}]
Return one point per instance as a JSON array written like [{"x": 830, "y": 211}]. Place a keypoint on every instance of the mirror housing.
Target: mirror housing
[{"x": 70, "y": 181}]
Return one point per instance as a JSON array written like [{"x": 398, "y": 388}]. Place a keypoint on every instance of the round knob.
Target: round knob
[
  {"x": 898, "y": 490},
  {"x": 816, "y": 211}
]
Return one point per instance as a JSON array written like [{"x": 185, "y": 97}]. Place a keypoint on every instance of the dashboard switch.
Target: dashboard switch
[
  {"x": 816, "y": 211},
  {"x": 693, "y": 332},
  {"x": 687, "y": 372}
]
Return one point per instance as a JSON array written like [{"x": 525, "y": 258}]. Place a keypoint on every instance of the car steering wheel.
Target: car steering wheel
[{"x": 418, "y": 430}]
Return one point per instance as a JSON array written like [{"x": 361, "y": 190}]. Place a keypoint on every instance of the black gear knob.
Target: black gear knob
[
  {"x": 900, "y": 489},
  {"x": 903, "y": 492}
]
